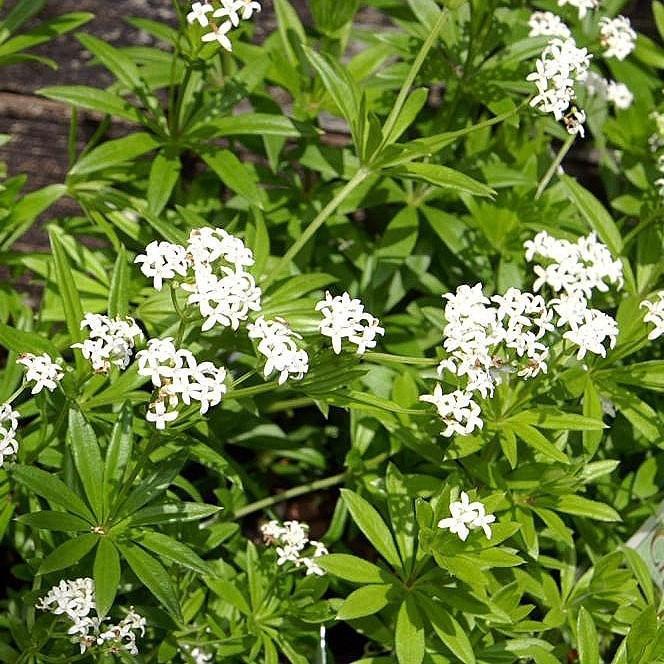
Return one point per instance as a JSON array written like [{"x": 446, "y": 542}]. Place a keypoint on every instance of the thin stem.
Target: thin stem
[
  {"x": 320, "y": 219},
  {"x": 380, "y": 358},
  {"x": 554, "y": 166},
  {"x": 250, "y": 391},
  {"x": 393, "y": 117},
  {"x": 264, "y": 503}
]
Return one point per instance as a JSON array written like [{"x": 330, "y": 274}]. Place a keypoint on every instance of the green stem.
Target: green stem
[
  {"x": 554, "y": 166},
  {"x": 320, "y": 219},
  {"x": 380, "y": 358},
  {"x": 250, "y": 391},
  {"x": 393, "y": 117},
  {"x": 264, "y": 503}
]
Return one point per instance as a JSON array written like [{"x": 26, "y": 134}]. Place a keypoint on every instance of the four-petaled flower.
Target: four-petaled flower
[{"x": 199, "y": 12}]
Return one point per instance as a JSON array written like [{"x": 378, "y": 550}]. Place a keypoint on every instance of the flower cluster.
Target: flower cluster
[
  {"x": 110, "y": 341},
  {"x": 583, "y": 6},
  {"x": 75, "y": 599},
  {"x": 659, "y": 182},
  {"x": 467, "y": 516},
  {"x": 292, "y": 541},
  {"x": 345, "y": 318},
  {"x": 488, "y": 338},
  {"x": 196, "y": 655},
  {"x": 615, "y": 93},
  {"x": 547, "y": 24},
  {"x": 571, "y": 267},
  {"x": 656, "y": 139},
  {"x": 42, "y": 370},
  {"x": 212, "y": 270},
  {"x": 276, "y": 342},
  {"x": 558, "y": 68},
  {"x": 178, "y": 377},
  {"x": 655, "y": 315},
  {"x": 223, "y": 19},
  {"x": 617, "y": 37},
  {"x": 8, "y": 427},
  {"x": 484, "y": 339}
]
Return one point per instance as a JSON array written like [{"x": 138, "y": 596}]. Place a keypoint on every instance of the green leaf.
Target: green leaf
[
  {"x": 49, "y": 520},
  {"x": 119, "y": 64},
  {"x": 587, "y": 638},
  {"x": 580, "y": 506},
  {"x": 409, "y": 633},
  {"x": 94, "y": 99},
  {"x": 552, "y": 418},
  {"x": 642, "y": 635},
  {"x": 595, "y": 214},
  {"x": 106, "y": 573},
  {"x": 18, "y": 15},
  {"x": 118, "y": 453},
  {"x": 533, "y": 438},
  {"x": 170, "y": 549},
  {"x": 364, "y": 601},
  {"x": 401, "y": 508},
  {"x": 234, "y": 174},
  {"x": 331, "y": 15},
  {"x": 172, "y": 513},
  {"x": 372, "y": 525},
  {"x": 152, "y": 574},
  {"x": 112, "y": 153},
  {"x": 69, "y": 293},
  {"x": 340, "y": 86},
  {"x": 54, "y": 490},
  {"x": 118, "y": 295},
  {"x": 22, "y": 341},
  {"x": 442, "y": 176},
  {"x": 648, "y": 375},
  {"x": 448, "y": 629},
  {"x": 641, "y": 572},
  {"x": 164, "y": 174},
  {"x": 254, "y": 124},
  {"x": 290, "y": 29},
  {"x": 354, "y": 569},
  {"x": 400, "y": 235},
  {"x": 87, "y": 458},
  {"x": 67, "y": 554},
  {"x": 409, "y": 112},
  {"x": 658, "y": 14}
]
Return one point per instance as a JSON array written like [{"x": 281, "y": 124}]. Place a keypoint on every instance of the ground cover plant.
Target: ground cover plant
[{"x": 344, "y": 357}]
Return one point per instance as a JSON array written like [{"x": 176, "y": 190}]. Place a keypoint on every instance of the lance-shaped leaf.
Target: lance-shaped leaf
[
  {"x": 442, "y": 176},
  {"x": 106, "y": 573},
  {"x": 67, "y": 554}
]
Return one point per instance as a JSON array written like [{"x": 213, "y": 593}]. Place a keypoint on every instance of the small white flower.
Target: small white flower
[
  {"x": 159, "y": 414},
  {"x": 218, "y": 34},
  {"x": 619, "y": 95},
  {"x": 466, "y": 516},
  {"x": 582, "y": 5},
  {"x": 655, "y": 315},
  {"x": 8, "y": 428},
  {"x": 162, "y": 260},
  {"x": 543, "y": 24},
  {"x": 573, "y": 122},
  {"x": 42, "y": 370},
  {"x": 74, "y": 599},
  {"x": 199, "y": 12},
  {"x": 229, "y": 9},
  {"x": 110, "y": 341},
  {"x": 590, "y": 335},
  {"x": 345, "y": 318},
  {"x": 458, "y": 410},
  {"x": 293, "y": 545},
  {"x": 249, "y": 7},
  {"x": 276, "y": 342},
  {"x": 617, "y": 37}
]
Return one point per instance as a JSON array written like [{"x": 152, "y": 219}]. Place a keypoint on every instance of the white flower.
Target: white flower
[
  {"x": 573, "y": 122},
  {"x": 229, "y": 9},
  {"x": 75, "y": 599},
  {"x": 123, "y": 635},
  {"x": 619, "y": 95},
  {"x": 659, "y": 183},
  {"x": 584, "y": 266},
  {"x": 162, "y": 260},
  {"x": 590, "y": 334},
  {"x": 293, "y": 544},
  {"x": 199, "y": 12},
  {"x": 558, "y": 68},
  {"x": 655, "y": 315},
  {"x": 543, "y": 24},
  {"x": 207, "y": 245},
  {"x": 248, "y": 8},
  {"x": 345, "y": 318},
  {"x": 218, "y": 34},
  {"x": 8, "y": 427},
  {"x": 110, "y": 341},
  {"x": 277, "y": 344},
  {"x": 42, "y": 370},
  {"x": 617, "y": 37},
  {"x": 466, "y": 516},
  {"x": 582, "y": 5},
  {"x": 198, "y": 655},
  {"x": 179, "y": 377},
  {"x": 458, "y": 411}
]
